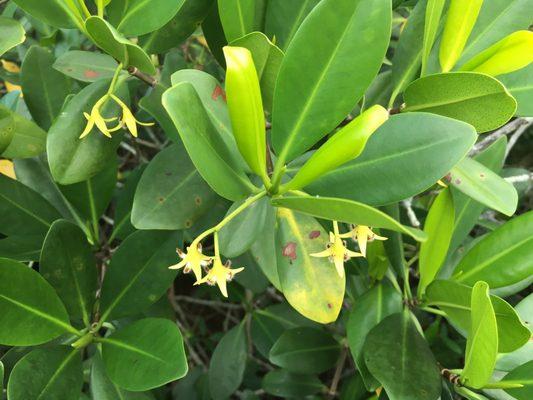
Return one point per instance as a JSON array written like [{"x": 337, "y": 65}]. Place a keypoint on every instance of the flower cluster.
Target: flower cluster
[{"x": 337, "y": 250}]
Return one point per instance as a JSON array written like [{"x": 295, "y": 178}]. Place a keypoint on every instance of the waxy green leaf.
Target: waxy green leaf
[
  {"x": 86, "y": 66},
  {"x": 522, "y": 376},
  {"x": 346, "y": 211},
  {"x": 283, "y": 383},
  {"x": 433, "y": 15},
  {"x": 482, "y": 341},
  {"x": 19, "y": 137},
  {"x": 460, "y": 20},
  {"x": 316, "y": 87},
  {"x": 240, "y": 17},
  {"x": 58, "y": 13},
  {"x": 13, "y": 34},
  {"x": 519, "y": 84},
  {"x": 151, "y": 363},
  {"x": 438, "y": 226},
  {"x": 311, "y": 285},
  {"x": 29, "y": 306},
  {"x": 477, "y": 99}
]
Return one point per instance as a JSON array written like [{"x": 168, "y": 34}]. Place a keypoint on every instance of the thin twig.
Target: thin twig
[
  {"x": 516, "y": 135},
  {"x": 338, "y": 371},
  {"x": 408, "y": 205},
  {"x": 209, "y": 303},
  {"x": 504, "y": 130},
  {"x": 520, "y": 178},
  {"x": 149, "y": 80}
]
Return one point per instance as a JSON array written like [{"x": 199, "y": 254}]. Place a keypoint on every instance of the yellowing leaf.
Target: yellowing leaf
[
  {"x": 6, "y": 168},
  {"x": 512, "y": 53},
  {"x": 462, "y": 16}
]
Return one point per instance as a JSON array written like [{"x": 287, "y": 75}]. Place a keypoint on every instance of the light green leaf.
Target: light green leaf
[
  {"x": 400, "y": 358},
  {"x": 432, "y": 21},
  {"x": 105, "y": 36},
  {"x": 171, "y": 194},
  {"x": 29, "y": 306},
  {"x": 282, "y": 383},
  {"x": 509, "y": 54},
  {"x": 438, "y": 227},
  {"x": 203, "y": 143},
  {"x": 346, "y": 211},
  {"x": 56, "y": 373},
  {"x": 316, "y": 87},
  {"x": 382, "y": 174},
  {"x": 138, "y": 273},
  {"x": 68, "y": 264},
  {"x": 521, "y": 375},
  {"x": 86, "y": 66},
  {"x": 460, "y": 20},
  {"x": 44, "y": 88},
  {"x": 311, "y": 285},
  {"x": 240, "y": 17},
  {"x": 246, "y": 108},
  {"x": 454, "y": 299},
  {"x": 369, "y": 310},
  {"x": 477, "y": 99},
  {"x": 482, "y": 340},
  {"x": 150, "y": 363},
  {"x": 305, "y": 351},
  {"x": 58, "y": 13},
  {"x": 19, "y": 137},
  {"x": 520, "y": 85},
  {"x": 485, "y": 186},
  {"x": 501, "y": 258},
  {"x": 226, "y": 369},
  {"x": 13, "y": 34}
]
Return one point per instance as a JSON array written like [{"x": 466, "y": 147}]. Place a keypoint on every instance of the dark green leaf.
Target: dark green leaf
[
  {"x": 21, "y": 247},
  {"x": 86, "y": 66},
  {"x": 283, "y": 383},
  {"x": 521, "y": 375},
  {"x": 19, "y": 137},
  {"x": 123, "y": 227},
  {"x": 54, "y": 12}
]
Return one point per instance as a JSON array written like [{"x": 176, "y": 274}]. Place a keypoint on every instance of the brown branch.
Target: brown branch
[
  {"x": 149, "y": 80},
  {"x": 338, "y": 371}
]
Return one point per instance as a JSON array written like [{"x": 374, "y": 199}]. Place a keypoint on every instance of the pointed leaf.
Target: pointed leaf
[
  {"x": 13, "y": 34},
  {"x": 432, "y": 21}
]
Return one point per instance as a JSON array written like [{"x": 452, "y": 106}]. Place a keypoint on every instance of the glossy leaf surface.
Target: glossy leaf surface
[
  {"x": 13, "y": 34},
  {"x": 86, "y": 66}
]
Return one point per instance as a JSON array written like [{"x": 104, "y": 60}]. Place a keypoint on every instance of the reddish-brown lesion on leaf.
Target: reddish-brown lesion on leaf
[
  {"x": 289, "y": 250},
  {"x": 91, "y": 74},
  {"x": 218, "y": 92},
  {"x": 314, "y": 234}
]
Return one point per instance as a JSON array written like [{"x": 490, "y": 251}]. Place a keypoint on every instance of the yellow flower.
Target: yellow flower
[
  {"x": 128, "y": 119},
  {"x": 220, "y": 274},
  {"x": 337, "y": 251},
  {"x": 362, "y": 235},
  {"x": 193, "y": 260}
]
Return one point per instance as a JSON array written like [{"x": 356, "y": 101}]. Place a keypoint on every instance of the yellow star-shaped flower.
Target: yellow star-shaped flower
[
  {"x": 362, "y": 235},
  {"x": 337, "y": 252},
  {"x": 193, "y": 260},
  {"x": 128, "y": 119},
  {"x": 220, "y": 274}
]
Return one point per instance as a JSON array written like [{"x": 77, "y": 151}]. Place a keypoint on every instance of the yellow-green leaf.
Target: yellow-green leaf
[
  {"x": 482, "y": 342},
  {"x": 246, "y": 108},
  {"x": 433, "y": 13},
  {"x": 462, "y": 16},
  {"x": 512, "y": 53},
  {"x": 342, "y": 147}
]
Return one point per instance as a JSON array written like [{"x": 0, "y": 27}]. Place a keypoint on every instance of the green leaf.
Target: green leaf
[
  {"x": 438, "y": 227},
  {"x": 139, "y": 17},
  {"x": 23, "y": 211},
  {"x": 521, "y": 375},
  {"x": 56, "y": 373},
  {"x": 346, "y": 211},
  {"x": 58, "y": 13},
  {"x": 484, "y": 186},
  {"x": 102, "y": 388},
  {"x": 400, "y": 358},
  {"x": 383, "y": 172},
  {"x": 267, "y": 60},
  {"x": 203, "y": 143},
  {"x": 311, "y": 285},
  {"x": 29, "y": 306},
  {"x": 19, "y": 137},
  {"x": 44, "y": 88},
  {"x": 240, "y": 233},
  {"x": 105, "y": 36},
  {"x": 477, "y": 99},
  {"x": 138, "y": 273},
  {"x": 519, "y": 84},
  {"x": 189, "y": 16},
  {"x": 72, "y": 159},
  {"x": 240, "y": 17},
  {"x": 150, "y": 363},
  {"x": 460, "y": 20},
  {"x": 305, "y": 351},
  {"x": 316, "y": 87},
  {"x": 123, "y": 227},
  {"x": 86, "y": 66},
  {"x": 171, "y": 194},
  {"x": 454, "y": 299},
  {"x": 21, "y": 247},
  {"x": 283, "y": 18},
  {"x": 13, "y": 34},
  {"x": 282, "y": 383},
  {"x": 467, "y": 209},
  {"x": 482, "y": 341},
  {"x": 509, "y": 54},
  {"x": 432, "y": 21},
  {"x": 246, "y": 108},
  {"x": 368, "y": 311},
  {"x": 501, "y": 258},
  {"x": 68, "y": 264},
  {"x": 226, "y": 369}
]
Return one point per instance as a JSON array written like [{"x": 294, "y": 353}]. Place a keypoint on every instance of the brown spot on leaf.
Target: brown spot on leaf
[
  {"x": 218, "y": 92},
  {"x": 330, "y": 306},
  {"x": 161, "y": 199},
  {"x": 457, "y": 181},
  {"x": 482, "y": 176},
  {"x": 289, "y": 250},
  {"x": 91, "y": 74},
  {"x": 448, "y": 177},
  {"x": 188, "y": 223},
  {"x": 314, "y": 234},
  {"x": 198, "y": 200},
  {"x": 168, "y": 173}
]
